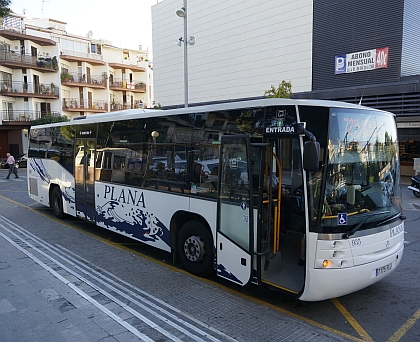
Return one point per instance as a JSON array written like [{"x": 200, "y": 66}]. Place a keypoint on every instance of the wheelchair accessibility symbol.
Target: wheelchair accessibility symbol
[{"x": 342, "y": 219}]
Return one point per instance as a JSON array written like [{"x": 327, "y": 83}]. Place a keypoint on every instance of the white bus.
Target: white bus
[{"x": 305, "y": 196}]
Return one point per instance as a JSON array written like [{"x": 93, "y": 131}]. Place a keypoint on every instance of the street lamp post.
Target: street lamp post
[{"x": 183, "y": 14}]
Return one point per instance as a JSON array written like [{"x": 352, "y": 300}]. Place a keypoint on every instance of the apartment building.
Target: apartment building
[{"x": 44, "y": 70}]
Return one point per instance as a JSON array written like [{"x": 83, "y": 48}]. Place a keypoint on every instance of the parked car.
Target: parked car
[
  {"x": 4, "y": 164},
  {"x": 21, "y": 160}
]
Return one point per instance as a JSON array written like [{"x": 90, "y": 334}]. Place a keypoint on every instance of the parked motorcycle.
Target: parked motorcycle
[{"x": 415, "y": 185}]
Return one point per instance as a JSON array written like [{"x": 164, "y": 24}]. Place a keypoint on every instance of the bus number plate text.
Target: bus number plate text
[{"x": 382, "y": 270}]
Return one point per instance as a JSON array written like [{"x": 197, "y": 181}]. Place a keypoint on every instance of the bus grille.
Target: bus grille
[{"x": 33, "y": 186}]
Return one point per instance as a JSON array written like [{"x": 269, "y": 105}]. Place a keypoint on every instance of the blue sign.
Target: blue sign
[
  {"x": 340, "y": 64},
  {"x": 342, "y": 219}
]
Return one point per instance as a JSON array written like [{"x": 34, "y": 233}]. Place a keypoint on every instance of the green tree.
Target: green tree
[
  {"x": 47, "y": 119},
  {"x": 284, "y": 90},
  {"x": 4, "y": 8},
  {"x": 156, "y": 106}
]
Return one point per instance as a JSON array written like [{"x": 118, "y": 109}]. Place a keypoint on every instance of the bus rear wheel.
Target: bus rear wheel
[
  {"x": 195, "y": 248},
  {"x": 57, "y": 202}
]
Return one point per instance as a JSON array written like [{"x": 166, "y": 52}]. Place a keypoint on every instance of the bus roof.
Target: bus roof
[{"x": 146, "y": 113}]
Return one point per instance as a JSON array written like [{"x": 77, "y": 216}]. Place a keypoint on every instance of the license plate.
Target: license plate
[{"x": 382, "y": 270}]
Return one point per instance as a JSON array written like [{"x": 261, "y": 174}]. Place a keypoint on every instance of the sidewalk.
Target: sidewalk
[
  {"x": 36, "y": 306},
  {"x": 42, "y": 299}
]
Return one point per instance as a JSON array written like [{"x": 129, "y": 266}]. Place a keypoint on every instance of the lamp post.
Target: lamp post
[
  {"x": 154, "y": 135},
  {"x": 183, "y": 14}
]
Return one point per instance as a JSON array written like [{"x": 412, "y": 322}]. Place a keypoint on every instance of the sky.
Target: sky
[{"x": 126, "y": 23}]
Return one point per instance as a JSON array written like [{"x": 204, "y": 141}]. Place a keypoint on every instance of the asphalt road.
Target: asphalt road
[{"x": 386, "y": 311}]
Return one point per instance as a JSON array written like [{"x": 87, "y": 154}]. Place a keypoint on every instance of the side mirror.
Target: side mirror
[{"x": 311, "y": 156}]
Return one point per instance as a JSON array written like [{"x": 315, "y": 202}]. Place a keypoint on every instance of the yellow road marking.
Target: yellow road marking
[
  {"x": 175, "y": 269},
  {"x": 401, "y": 331},
  {"x": 365, "y": 336},
  {"x": 286, "y": 312}
]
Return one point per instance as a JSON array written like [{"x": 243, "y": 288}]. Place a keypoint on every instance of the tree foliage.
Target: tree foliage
[
  {"x": 156, "y": 106},
  {"x": 4, "y": 8},
  {"x": 284, "y": 90},
  {"x": 47, "y": 119}
]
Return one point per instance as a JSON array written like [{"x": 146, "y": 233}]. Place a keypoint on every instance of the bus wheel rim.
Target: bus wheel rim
[{"x": 194, "y": 248}]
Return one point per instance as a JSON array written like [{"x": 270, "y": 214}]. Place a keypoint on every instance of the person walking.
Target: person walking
[{"x": 12, "y": 167}]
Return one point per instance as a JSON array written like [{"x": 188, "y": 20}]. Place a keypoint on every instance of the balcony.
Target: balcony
[
  {"x": 123, "y": 105},
  {"x": 81, "y": 80},
  {"x": 17, "y": 61},
  {"x": 122, "y": 85},
  {"x": 76, "y": 56},
  {"x": 132, "y": 67},
  {"x": 13, "y": 33},
  {"x": 19, "y": 117},
  {"x": 77, "y": 105},
  {"x": 21, "y": 89}
]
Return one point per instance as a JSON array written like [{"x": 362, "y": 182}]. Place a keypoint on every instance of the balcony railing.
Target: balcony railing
[
  {"x": 99, "y": 106},
  {"x": 82, "y": 54},
  {"x": 16, "y": 60},
  {"x": 76, "y": 79},
  {"x": 127, "y": 85},
  {"x": 20, "y": 32},
  {"x": 77, "y": 56},
  {"x": 19, "y": 89},
  {"x": 122, "y": 106},
  {"x": 24, "y": 115}
]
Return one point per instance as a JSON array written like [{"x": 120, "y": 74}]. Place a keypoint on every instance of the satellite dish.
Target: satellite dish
[{"x": 191, "y": 40}]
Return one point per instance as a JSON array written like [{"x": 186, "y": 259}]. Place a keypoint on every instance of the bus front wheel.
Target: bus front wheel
[
  {"x": 57, "y": 202},
  {"x": 195, "y": 246}
]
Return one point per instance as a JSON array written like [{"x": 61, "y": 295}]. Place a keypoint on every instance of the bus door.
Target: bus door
[
  {"x": 281, "y": 223},
  {"x": 84, "y": 179},
  {"x": 235, "y": 217}
]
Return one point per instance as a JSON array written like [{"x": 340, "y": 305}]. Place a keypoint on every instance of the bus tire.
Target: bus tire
[
  {"x": 195, "y": 248},
  {"x": 57, "y": 202}
]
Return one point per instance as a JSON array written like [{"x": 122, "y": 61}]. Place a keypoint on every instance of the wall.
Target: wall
[
  {"x": 242, "y": 48},
  {"x": 411, "y": 39},
  {"x": 346, "y": 26}
]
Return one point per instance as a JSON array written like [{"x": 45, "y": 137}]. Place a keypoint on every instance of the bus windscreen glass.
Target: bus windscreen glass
[{"x": 362, "y": 176}]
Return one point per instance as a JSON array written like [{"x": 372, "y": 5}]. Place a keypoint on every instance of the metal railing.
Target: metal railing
[
  {"x": 28, "y": 88},
  {"x": 28, "y": 60},
  {"x": 73, "y": 77},
  {"x": 124, "y": 84},
  {"x": 122, "y": 106},
  {"x": 24, "y": 115},
  {"x": 71, "y": 104},
  {"x": 13, "y": 29},
  {"x": 82, "y": 54}
]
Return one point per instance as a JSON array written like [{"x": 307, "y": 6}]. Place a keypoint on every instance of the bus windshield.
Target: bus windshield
[{"x": 361, "y": 170}]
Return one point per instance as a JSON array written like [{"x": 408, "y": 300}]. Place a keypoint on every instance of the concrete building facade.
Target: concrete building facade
[
  {"x": 354, "y": 51},
  {"x": 241, "y": 48},
  {"x": 46, "y": 70}
]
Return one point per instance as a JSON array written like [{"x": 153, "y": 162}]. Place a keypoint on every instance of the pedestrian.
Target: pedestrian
[{"x": 12, "y": 167}]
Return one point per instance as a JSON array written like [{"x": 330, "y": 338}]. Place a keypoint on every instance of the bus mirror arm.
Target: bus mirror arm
[
  {"x": 310, "y": 149},
  {"x": 302, "y": 130}
]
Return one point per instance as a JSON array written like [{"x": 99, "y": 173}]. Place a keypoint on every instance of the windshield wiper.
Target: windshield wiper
[
  {"x": 391, "y": 219},
  {"x": 351, "y": 232}
]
